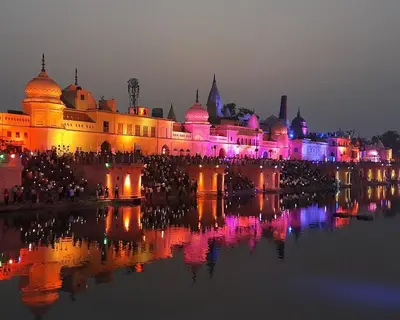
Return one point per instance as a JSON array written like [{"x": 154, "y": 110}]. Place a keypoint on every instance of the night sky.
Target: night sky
[{"x": 336, "y": 60}]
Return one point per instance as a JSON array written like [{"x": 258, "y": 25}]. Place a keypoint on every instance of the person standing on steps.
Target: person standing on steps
[
  {"x": 116, "y": 192},
  {"x": 106, "y": 193}
]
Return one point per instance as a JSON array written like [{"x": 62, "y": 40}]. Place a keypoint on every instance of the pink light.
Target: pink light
[{"x": 372, "y": 207}]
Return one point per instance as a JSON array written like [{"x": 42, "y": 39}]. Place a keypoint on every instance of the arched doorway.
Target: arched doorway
[
  {"x": 105, "y": 146},
  {"x": 222, "y": 153},
  {"x": 165, "y": 150},
  {"x": 265, "y": 155}
]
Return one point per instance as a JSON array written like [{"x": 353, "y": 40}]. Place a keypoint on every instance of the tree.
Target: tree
[
  {"x": 350, "y": 133},
  {"x": 390, "y": 139},
  {"x": 244, "y": 111},
  {"x": 231, "y": 106}
]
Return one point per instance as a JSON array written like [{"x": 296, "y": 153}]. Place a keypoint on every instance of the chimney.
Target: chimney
[{"x": 283, "y": 109}]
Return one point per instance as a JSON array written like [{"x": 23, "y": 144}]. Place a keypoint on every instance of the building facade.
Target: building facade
[{"x": 72, "y": 119}]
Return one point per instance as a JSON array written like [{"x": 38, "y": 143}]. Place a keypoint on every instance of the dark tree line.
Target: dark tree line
[
  {"x": 390, "y": 139},
  {"x": 234, "y": 111}
]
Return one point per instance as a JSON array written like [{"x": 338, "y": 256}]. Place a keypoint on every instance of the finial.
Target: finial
[
  {"x": 298, "y": 112},
  {"x": 214, "y": 78},
  {"x": 76, "y": 76},
  {"x": 197, "y": 96},
  {"x": 43, "y": 64}
]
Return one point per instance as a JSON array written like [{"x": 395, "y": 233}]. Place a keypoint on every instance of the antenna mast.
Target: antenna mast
[{"x": 133, "y": 90}]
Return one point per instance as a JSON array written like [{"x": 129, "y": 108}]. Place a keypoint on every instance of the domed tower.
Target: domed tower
[
  {"x": 40, "y": 287},
  {"x": 253, "y": 122},
  {"x": 278, "y": 132},
  {"x": 299, "y": 126},
  {"x": 76, "y": 97},
  {"x": 196, "y": 121},
  {"x": 43, "y": 102},
  {"x": 214, "y": 103}
]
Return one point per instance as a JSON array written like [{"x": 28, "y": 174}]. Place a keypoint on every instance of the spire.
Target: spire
[
  {"x": 214, "y": 103},
  {"x": 171, "y": 113},
  {"x": 76, "y": 76},
  {"x": 212, "y": 256},
  {"x": 298, "y": 112},
  {"x": 43, "y": 64},
  {"x": 197, "y": 96}
]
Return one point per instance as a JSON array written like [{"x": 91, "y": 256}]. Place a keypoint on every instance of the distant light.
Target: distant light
[
  {"x": 107, "y": 165},
  {"x": 260, "y": 167},
  {"x": 200, "y": 165},
  {"x": 290, "y": 229},
  {"x": 12, "y": 156}
]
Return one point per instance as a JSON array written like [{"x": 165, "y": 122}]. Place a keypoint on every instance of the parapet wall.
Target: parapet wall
[
  {"x": 128, "y": 177},
  {"x": 210, "y": 178},
  {"x": 264, "y": 177},
  {"x": 10, "y": 174}
]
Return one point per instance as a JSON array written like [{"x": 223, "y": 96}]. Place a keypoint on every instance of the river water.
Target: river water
[{"x": 218, "y": 260}]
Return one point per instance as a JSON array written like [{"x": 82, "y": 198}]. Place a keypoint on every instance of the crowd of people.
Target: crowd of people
[
  {"x": 297, "y": 174},
  {"x": 236, "y": 183},
  {"x": 165, "y": 176},
  {"x": 48, "y": 176}
]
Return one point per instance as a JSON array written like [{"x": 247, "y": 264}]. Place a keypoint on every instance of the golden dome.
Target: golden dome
[
  {"x": 42, "y": 87},
  {"x": 40, "y": 302}
]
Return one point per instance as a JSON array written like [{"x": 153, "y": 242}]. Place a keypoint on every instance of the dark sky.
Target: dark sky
[{"x": 337, "y": 60}]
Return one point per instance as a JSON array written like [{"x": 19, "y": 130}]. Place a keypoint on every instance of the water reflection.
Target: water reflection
[{"x": 61, "y": 252}]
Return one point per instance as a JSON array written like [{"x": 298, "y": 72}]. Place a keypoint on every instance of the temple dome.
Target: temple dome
[
  {"x": 275, "y": 125},
  {"x": 299, "y": 121},
  {"x": 253, "y": 122},
  {"x": 76, "y": 97},
  {"x": 299, "y": 126},
  {"x": 43, "y": 87},
  {"x": 196, "y": 113},
  {"x": 39, "y": 303}
]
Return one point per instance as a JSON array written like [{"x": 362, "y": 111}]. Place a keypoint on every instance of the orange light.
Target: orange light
[
  {"x": 138, "y": 268},
  {"x": 127, "y": 222},
  {"x": 127, "y": 185}
]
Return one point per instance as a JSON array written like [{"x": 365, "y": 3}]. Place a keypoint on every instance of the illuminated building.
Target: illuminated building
[{"x": 72, "y": 119}]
